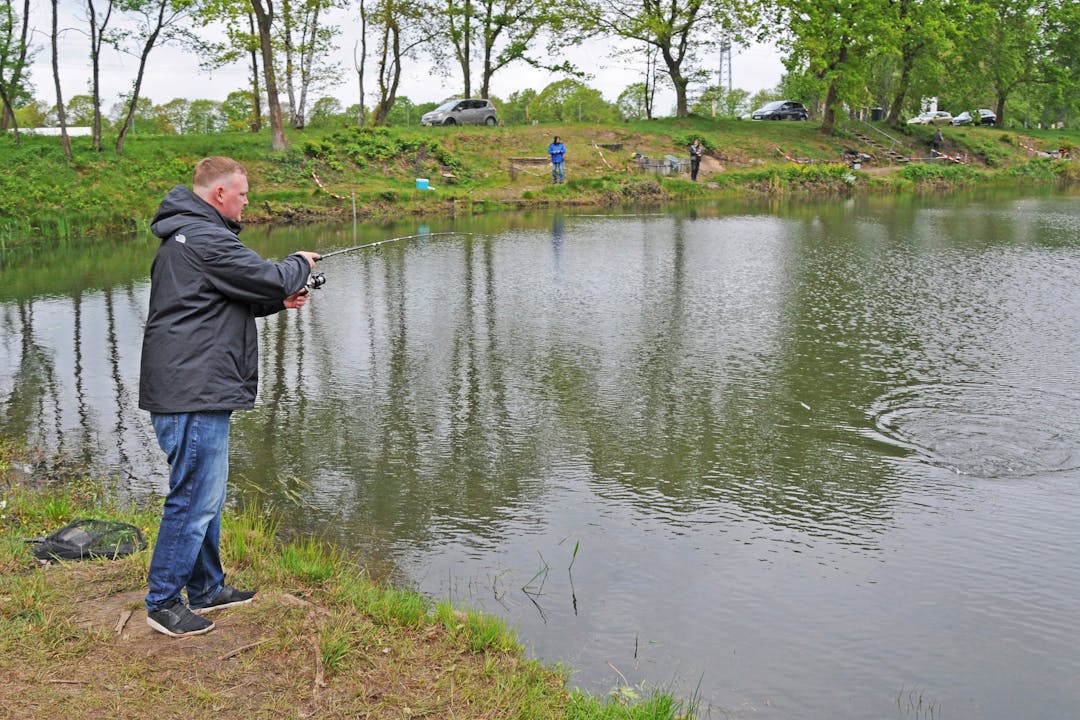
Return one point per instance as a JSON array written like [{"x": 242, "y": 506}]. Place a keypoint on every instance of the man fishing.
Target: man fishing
[
  {"x": 557, "y": 151},
  {"x": 199, "y": 364}
]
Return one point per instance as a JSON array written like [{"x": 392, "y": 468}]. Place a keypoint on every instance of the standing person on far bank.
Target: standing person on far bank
[
  {"x": 557, "y": 151},
  {"x": 199, "y": 364},
  {"x": 696, "y": 151},
  {"x": 937, "y": 141}
]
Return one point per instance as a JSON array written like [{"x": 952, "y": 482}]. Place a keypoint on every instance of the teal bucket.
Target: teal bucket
[{"x": 422, "y": 183}]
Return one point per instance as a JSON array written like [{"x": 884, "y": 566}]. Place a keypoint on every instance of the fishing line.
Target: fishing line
[{"x": 317, "y": 280}]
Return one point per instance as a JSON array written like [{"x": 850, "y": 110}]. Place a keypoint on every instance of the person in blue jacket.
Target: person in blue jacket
[
  {"x": 200, "y": 363},
  {"x": 557, "y": 151}
]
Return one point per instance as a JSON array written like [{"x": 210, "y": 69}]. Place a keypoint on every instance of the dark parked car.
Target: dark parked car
[
  {"x": 462, "y": 112},
  {"x": 986, "y": 117},
  {"x": 781, "y": 110}
]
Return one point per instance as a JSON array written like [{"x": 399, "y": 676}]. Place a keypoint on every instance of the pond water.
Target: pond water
[{"x": 793, "y": 460}]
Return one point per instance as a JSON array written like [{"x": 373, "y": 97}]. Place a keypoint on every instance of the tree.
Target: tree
[
  {"x": 920, "y": 39},
  {"x": 572, "y": 101},
  {"x": 632, "y": 102},
  {"x": 358, "y": 63},
  {"x": 145, "y": 119},
  {"x": 242, "y": 40},
  {"x": 1020, "y": 35},
  {"x": 831, "y": 40},
  {"x": 34, "y": 114},
  {"x": 264, "y": 17},
  {"x": 81, "y": 111},
  {"x": 173, "y": 115},
  {"x": 14, "y": 56},
  {"x": 1060, "y": 98},
  {"x": 678, "y": 29},
  {"x": 65, "y": 141},
  {"x": 404, "y": 113},
  {"x": 499, "y": 33},
  {"x": 326, "y": 110},
  {"x": 204, "y": 116},
  {"x": 158, "y": 21},
  {"x": 238, "y": 110},
  {"x": 401, "y": 31},
  {"x": 99, "y": 24},
  {"x": 306, "y": 45},
  {"x": 515, "y": 110}
]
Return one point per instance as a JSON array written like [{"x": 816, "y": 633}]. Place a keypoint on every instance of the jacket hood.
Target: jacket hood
[{"x": 181, "y": 207}]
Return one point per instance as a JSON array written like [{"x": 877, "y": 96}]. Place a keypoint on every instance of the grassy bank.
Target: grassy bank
[
  {"x": 322, "y": 639},
  {"x": 481, "y": 169}
]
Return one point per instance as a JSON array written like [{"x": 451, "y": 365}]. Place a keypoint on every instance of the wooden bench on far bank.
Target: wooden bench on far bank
[{"x": 521, "y": 164}]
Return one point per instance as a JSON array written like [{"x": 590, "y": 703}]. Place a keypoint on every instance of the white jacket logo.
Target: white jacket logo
[{"x": 180, "y": 239}]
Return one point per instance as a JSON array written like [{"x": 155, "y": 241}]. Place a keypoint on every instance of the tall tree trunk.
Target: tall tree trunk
[
  {"x": 650, "y": 81},
  {"x": 903, "y": 85},
  {"x": 361, "y": 115},
  {"x": 151, "y": 40},
  {"x": 60, "y": 113},
  {"x": 97, "y": 38},
  {"x": 389, "y": 71},
  {"x": 290, "y": 70},
  {"x": 461, "y": 33},
  {"x": 679, "y": 81},
  {"x": 909, "y": 52},
  {"x": 832, "y": 95},
  {"x": 307, "y": 64},
  {"x": 256, "y": 93},
  {"x": 264, "y": 15},
  {"x": 8, "y": 87}
]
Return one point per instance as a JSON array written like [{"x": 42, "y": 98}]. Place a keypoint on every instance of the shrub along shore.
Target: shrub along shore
[
  {"x": 331, "y": 173},
  {"x": 322, "y": 639}
]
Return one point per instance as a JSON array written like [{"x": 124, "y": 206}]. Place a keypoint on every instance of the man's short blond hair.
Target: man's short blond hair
[{"x": 215, "y": 169}]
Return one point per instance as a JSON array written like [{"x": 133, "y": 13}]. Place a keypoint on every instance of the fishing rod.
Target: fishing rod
[{"x": 317, "y": 280}]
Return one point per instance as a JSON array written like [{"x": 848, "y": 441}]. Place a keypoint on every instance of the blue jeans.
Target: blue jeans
[
  {"x": 186, "y": 551},
  {"x": 557, "y": 174}
]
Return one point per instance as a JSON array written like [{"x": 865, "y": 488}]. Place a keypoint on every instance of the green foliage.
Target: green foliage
[
  {"x": 631, "y": 102},
  {"x": 716, "y": 101},
  {"x": 939, "y": 173},
  {"x": 515, "y": 110},
  {"x": 363, "y": 145},
  {"x": 572, "y": 101}
]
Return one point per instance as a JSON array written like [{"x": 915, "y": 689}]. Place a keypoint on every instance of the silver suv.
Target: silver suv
[{"x": 462, "y": 112}]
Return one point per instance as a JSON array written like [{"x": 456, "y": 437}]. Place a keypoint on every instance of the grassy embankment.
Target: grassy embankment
[
  {"x": 42, "y": 195},
  {"x": 322, "y": 639}
]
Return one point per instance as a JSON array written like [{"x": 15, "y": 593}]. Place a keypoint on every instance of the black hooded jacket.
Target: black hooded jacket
[{"x": 200, "y": 347}]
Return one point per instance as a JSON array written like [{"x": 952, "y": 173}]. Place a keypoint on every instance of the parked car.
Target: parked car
[
  {"x": 781, "y": 110},
  {"x": 963, "y": 118},
  {"x": 462, "y": 111},
  {"x": 937, "y": 117},
  {"x": 986, "y": 117}
]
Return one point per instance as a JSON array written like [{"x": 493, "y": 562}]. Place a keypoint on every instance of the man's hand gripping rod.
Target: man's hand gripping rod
[{"x": 317, "y": 280}]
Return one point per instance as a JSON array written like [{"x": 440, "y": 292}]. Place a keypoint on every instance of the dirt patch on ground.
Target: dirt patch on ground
[{"x": 95, "y": 656}]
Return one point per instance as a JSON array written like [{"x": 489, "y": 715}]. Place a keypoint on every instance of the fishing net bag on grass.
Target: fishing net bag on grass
[{"x": 84, "y": 539}]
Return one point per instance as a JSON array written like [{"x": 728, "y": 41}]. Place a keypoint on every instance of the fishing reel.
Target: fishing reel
[{"x": 316, "y": 281}]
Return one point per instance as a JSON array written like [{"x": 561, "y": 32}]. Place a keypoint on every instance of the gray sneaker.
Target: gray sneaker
[
  {"x": 176, "y": 620},
  {"x": 227, "y": 596}
]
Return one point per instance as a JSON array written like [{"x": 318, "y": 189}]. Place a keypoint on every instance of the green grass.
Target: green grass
[
  {"x": 43, "y": 195},
  {"x": 322, "y": 637}
]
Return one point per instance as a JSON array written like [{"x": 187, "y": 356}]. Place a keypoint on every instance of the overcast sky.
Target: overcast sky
[{"x": 172, "y": 72}]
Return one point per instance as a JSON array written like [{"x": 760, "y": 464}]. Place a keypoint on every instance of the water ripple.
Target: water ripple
[{"x": 982, "y": 430}]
